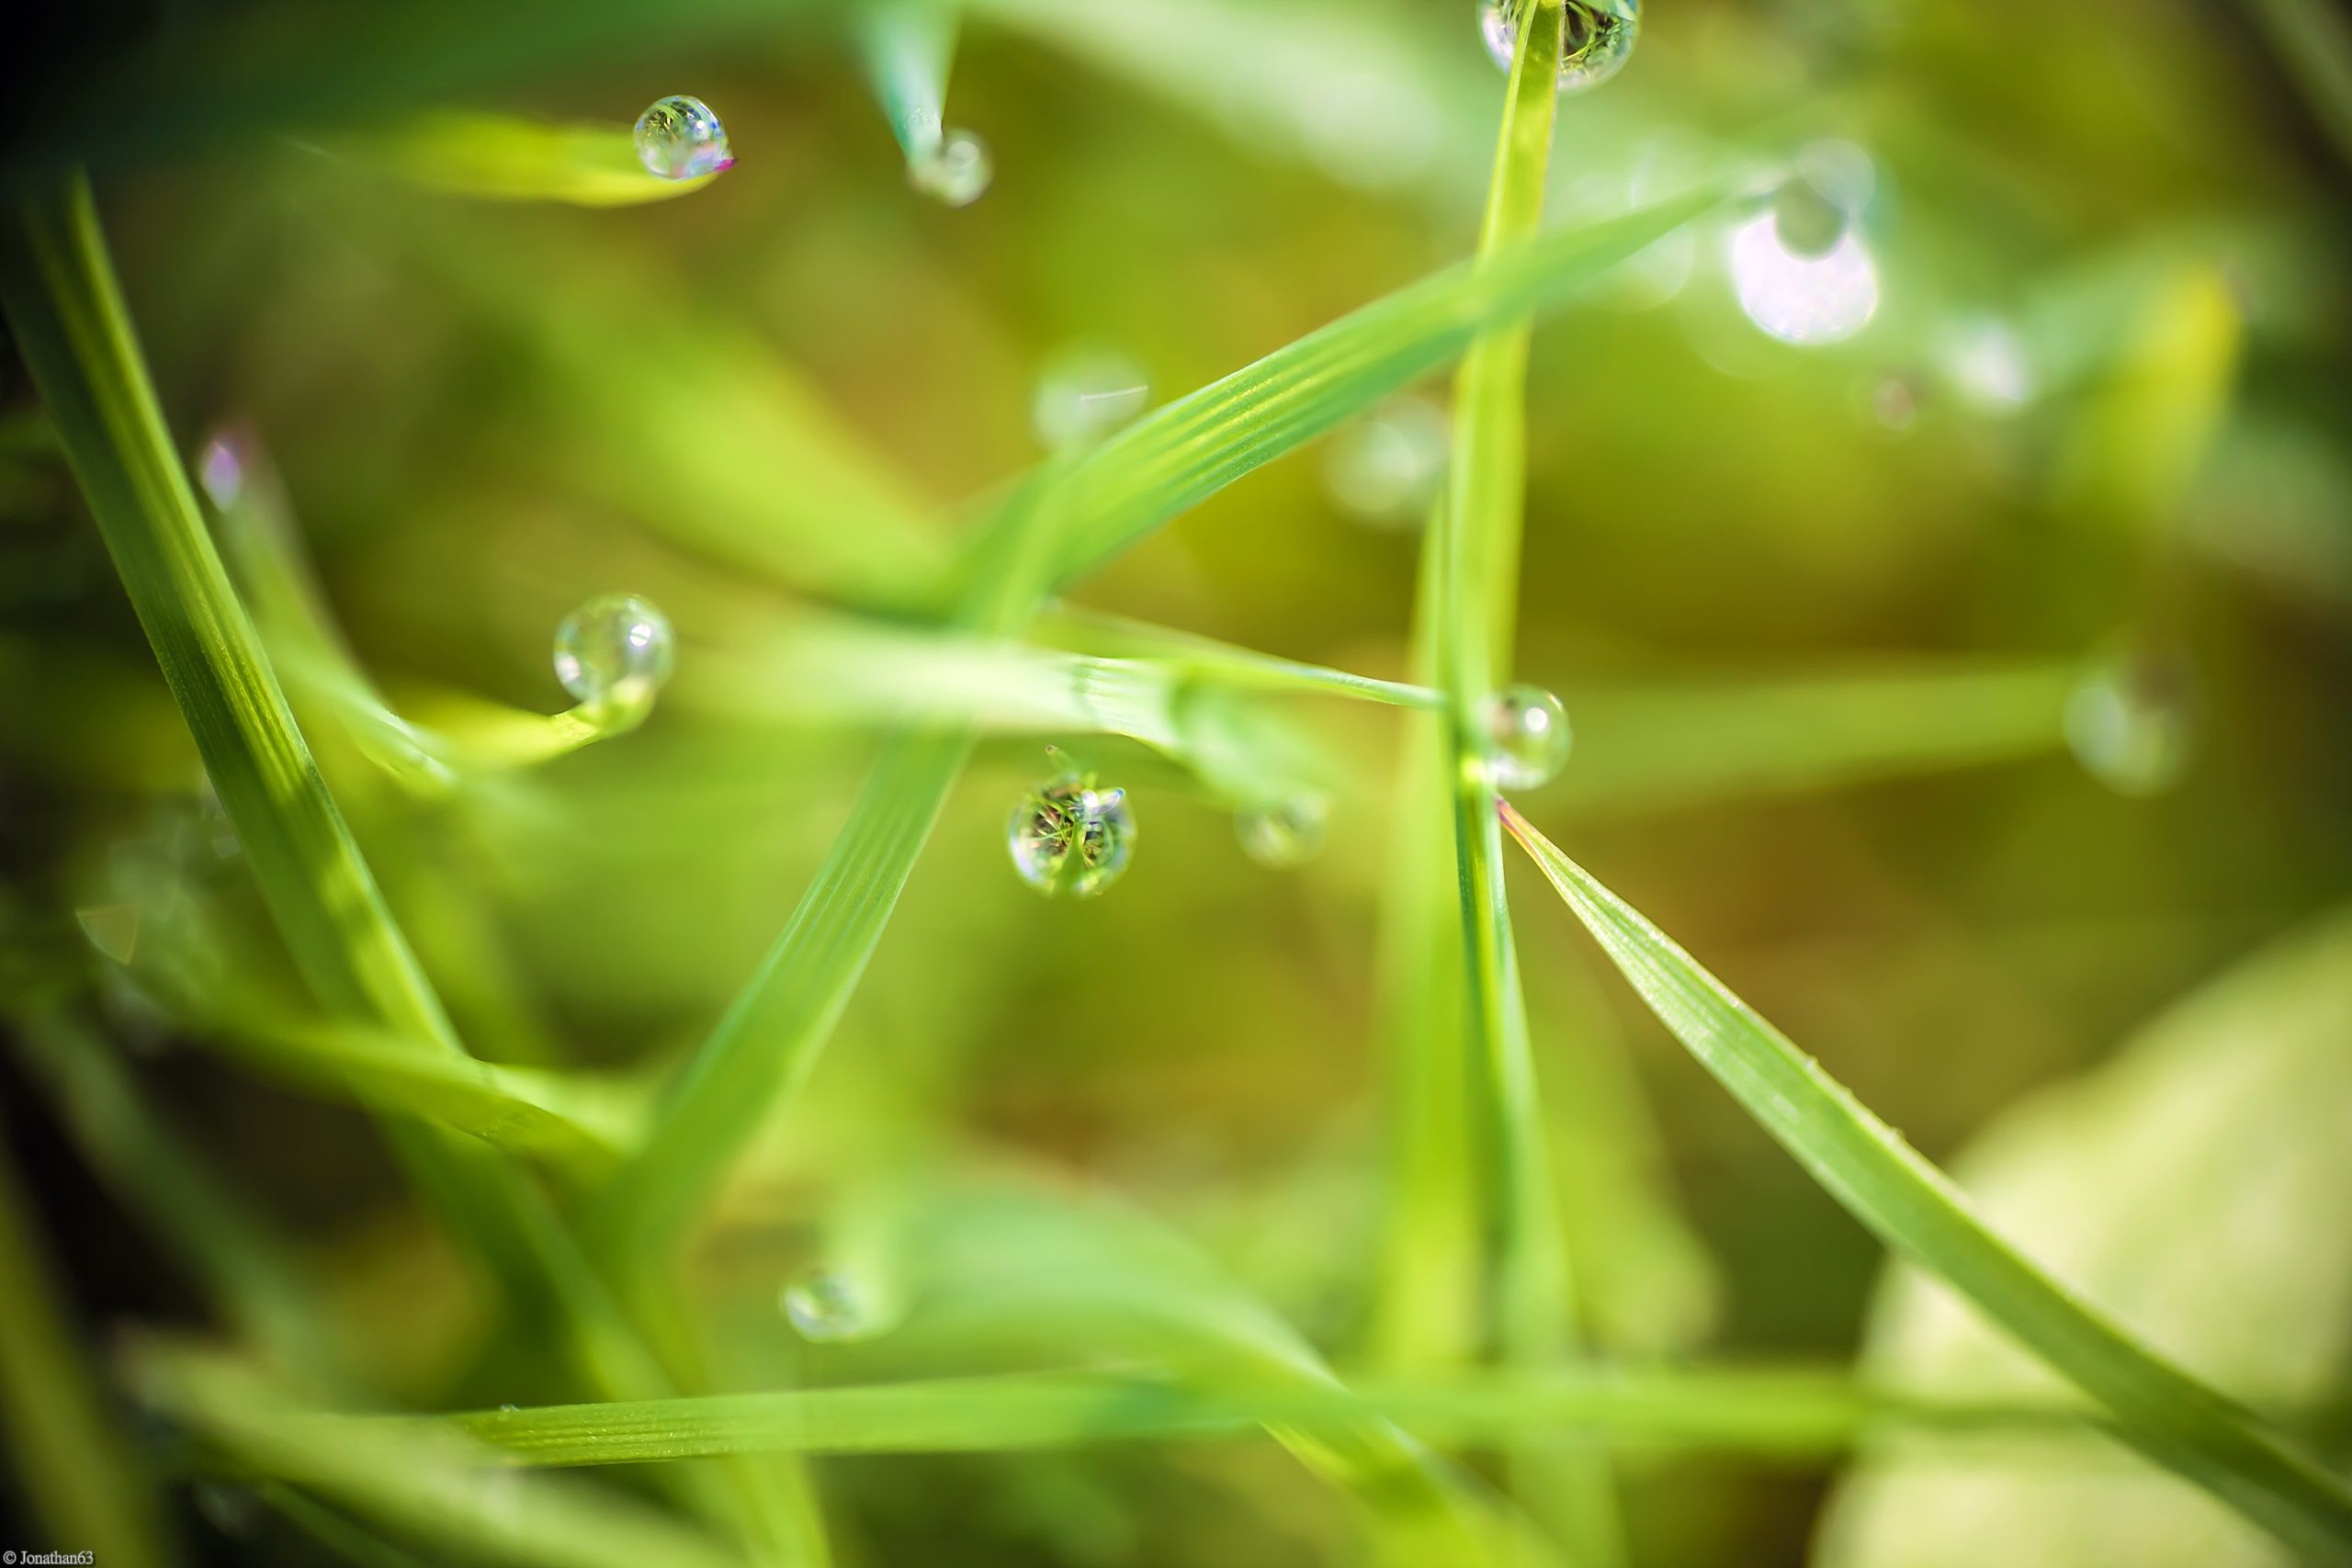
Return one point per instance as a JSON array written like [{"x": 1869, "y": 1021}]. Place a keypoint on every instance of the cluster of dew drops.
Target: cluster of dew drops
[{"x": 1070, "y": 835}]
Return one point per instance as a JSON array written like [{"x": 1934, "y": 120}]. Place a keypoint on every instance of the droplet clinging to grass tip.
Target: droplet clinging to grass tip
[
  {"x": 679, "y": 138},
  {"x": 828, "y": 1306},
  {"x": 616, "y": 646},
  {"x": 1068, "y": 839},
  {"x": 956, "y": 170},
  {"x": 1527, "y": 737},
  {"x": 1598, "y": 37}
]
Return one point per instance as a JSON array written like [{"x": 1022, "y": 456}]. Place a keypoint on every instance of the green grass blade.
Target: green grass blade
[
  {"x": 287, "y": 66},
  {"x": 77, "y": 1472},
  {"x": 1656, "y": 746},
  {"x": 1178, "y": 456},
  {"x": 1774, "y": 1413},
  {"x": 433, "y": 1483},
  {"x": 495, "y": 157},
  {"x": 1476, "y": 555},
  {"x": 2313, "y": 42},
  {"x": 909, "y": 48},
  {"x": 1908, "y": 1203}
]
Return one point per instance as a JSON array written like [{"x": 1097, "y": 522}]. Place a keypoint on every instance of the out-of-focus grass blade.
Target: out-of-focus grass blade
[
  {"x": 1643, "y": 747},
  {"x": 243, "y": 73},
  {"x": 910, "y": 47},
  {"x": 434, "y": 1485},
  {"x": 2313, "y": 42},
  {"x": 1178, "y": 456},
  {"x": 1883, "y": 1182},
  {"x": 255, "y": 1281},
  {"x": 1767, "y": 1412},
  {"x": 77, "y": 1473},
  {"x": 505, "y": 158},
  {"x": 2145, "y": 429}
]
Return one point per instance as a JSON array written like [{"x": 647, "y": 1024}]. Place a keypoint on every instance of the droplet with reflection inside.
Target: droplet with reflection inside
[
  {"x": 678, "y": 138},
  {"x": 1597, "y": 38},
  {"x": 1071, "y": 840},
  {"x": 616, "y": 646},
  {"x": 1527, "y": 737}
]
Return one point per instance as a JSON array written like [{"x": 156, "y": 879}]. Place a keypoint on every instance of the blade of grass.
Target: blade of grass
[
  {"x": 497, "y": 157},
  {"x": 1476, "y": 555},
  {"x": 909, "y": 48},
  {"x": 1911, "y": 1205},
  {"x": 58, "y": 288},
  {"x": 80, "y": 1476},
  {"x": 2313, "y": 42},
  {"x": 1645, "y": 747},
  {"x": 431, "y": 1481},
  {"x": 1770, "y": 1413},
  {"x": 270, "y": 67},
  {"x": 1180, "y": 454},
  {"x": 1105, "y": 496}
]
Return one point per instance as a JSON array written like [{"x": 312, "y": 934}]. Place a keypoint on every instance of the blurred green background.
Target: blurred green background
[{"x": 485, "y": 413}]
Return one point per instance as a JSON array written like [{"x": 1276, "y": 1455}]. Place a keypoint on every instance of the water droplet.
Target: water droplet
[
  {"x": 1894, "y": 402},
  {"x": 1284, "y": 835},
  {"x": 509, "y": 1410},
  {"x": 1084, "y": 394},
  {"x": 1069, "y": 839},
  {"x": 1386, "y": 468},
  {"x": 957, "y": 171},
  {"x": 1527, "y": 737},
  {"x": 828, "y": 1306},
  {"x": 680, "y": 139},
  {"x": 1802, "y": 299},
  {"x": 1598, "y": 38},
  {"x": 615, "y": 647},
  {"x": 112, "y": 929},
  {"x": 220, "y": 470},
  {"x": 2133, "y": 722}
]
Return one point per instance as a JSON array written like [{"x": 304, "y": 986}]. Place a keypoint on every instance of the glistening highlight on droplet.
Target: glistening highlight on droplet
[
  {"x": 1598, "y": 37},
  {"x": 956, "y": 171},
  {"x": 1527, "y": 737},
  {"x": 615, "y": 647},
  {"x": 1069, "y": 839},
  {"x": 679, "y": 138},
  {"x": 1802, "y": 299}
]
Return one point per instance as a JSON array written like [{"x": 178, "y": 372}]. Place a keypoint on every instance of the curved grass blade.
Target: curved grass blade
[
  {"x": 496, "y": 157},
  {"x": 2313, "y": 42},
  {"x": 78, "y": 1473},
  {"x": 1647, "y": 747},
  {"x": 1911, "y": 1205}
]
